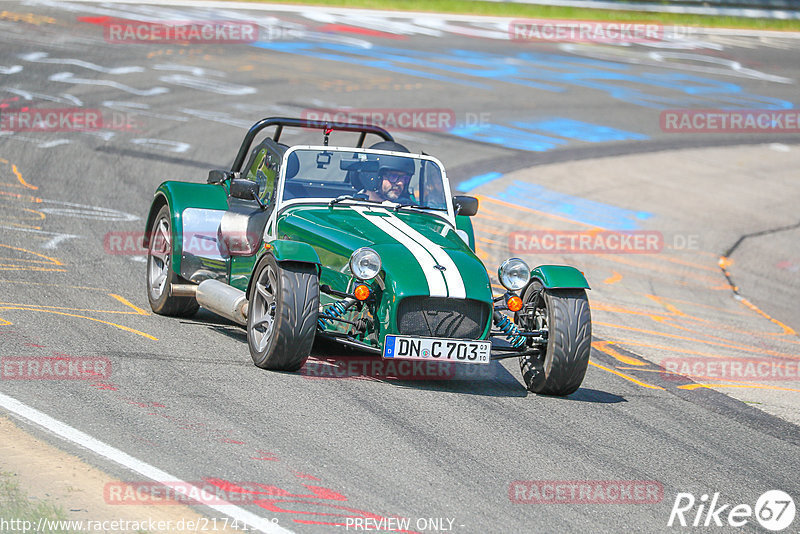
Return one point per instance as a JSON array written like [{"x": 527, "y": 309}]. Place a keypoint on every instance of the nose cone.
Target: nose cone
[{"x": 433, "y": 271}]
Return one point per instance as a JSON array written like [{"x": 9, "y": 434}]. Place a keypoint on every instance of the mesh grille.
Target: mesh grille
[{"x": 442, "y": 317}]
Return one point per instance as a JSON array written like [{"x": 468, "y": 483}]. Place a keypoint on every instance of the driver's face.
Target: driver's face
[{"x": 393, "y": 184}]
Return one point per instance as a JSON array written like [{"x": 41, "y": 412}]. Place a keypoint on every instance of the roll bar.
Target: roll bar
[{"x": 326, "y": 126}]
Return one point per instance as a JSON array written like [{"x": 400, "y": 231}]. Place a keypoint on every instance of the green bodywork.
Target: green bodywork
[
  {"x": 336, "y": 232},
  {"x": 241, "y": 270},
  {"x": 560, "y": 277},
  {"x": 282, "y": 249},
  {"x": 326, "y": 236},
  {"x": 286, "y": 250},
  {"x": 465, "y": 223},
  {"x": 179, "y": 196}
]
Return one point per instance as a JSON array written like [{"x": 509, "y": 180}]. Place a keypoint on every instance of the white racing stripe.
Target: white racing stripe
[
  {"x": 436, "y": 285},
  {"x": 427, "y": 253},
  {"x": 455, "y": 284},
  {"x": 73, "y": 435}
]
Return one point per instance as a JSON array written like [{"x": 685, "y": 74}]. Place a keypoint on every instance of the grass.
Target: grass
[
  {"x": 15, "y": 506},
  {"x": 507, "y": 9}
]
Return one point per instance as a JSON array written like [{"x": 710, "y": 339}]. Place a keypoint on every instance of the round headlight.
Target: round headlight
[
  {"x": 514, "y": 274},
  {"x": 365, "y": 263}
]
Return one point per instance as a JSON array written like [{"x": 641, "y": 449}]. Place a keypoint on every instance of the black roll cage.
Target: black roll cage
[{"x": 326, "y": 126}]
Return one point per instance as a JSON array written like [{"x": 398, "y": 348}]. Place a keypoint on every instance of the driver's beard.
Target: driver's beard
[{"x": 392, "y": 194}]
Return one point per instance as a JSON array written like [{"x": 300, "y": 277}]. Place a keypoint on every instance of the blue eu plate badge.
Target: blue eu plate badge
[{"x": 388, "y": 347}]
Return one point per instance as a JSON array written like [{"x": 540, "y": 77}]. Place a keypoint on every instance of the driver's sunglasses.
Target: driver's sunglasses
[{"x": 395, "y": 177}]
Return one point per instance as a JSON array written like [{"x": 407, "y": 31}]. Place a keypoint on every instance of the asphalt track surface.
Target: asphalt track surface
[{"x": 183, "y": 394}]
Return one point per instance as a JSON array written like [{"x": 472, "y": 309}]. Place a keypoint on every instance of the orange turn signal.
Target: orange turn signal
[
  {"x": 514, "y": 303},
  {"x": 361, "y": 292}
]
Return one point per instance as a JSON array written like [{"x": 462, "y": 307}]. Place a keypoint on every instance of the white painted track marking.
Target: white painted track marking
[{"x": 77, "y": 437}]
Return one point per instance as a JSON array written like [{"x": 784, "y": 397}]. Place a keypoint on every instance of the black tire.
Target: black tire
[
  {"x": 160, "y": 275},
  {"x": 282, "y": 314},
  {"x": 560, "y": 369}
]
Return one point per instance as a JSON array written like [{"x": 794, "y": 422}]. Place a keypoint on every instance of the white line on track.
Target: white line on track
[
  {"x": 77, "y": 437},
  {"x": 290, "y": 8}
]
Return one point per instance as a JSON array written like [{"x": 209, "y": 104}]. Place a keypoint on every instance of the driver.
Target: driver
[{"x": 394, "y": 173}]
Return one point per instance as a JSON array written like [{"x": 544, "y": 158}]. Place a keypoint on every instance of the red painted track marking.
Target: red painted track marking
[{"x": 343, "y": 28}]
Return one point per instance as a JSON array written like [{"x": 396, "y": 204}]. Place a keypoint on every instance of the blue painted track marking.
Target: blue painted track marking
[
  {"x": 544, "y": 71},
  {"x": 508, "y": 137},
  {"x": 529, "y": 135},
  {"x": 576, "y": 208},
  {"x": 582, "y": 131},
  {"x": 386, "y": 61},
  {"x": 476, "y": 181}
]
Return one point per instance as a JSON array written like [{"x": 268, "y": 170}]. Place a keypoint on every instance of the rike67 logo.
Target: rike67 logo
[{"x": 774, "y": 510}]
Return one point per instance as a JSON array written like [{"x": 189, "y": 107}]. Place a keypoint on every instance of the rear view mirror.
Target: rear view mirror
[
  {"x": 465, "y": 205},
  {"x": 217, "y": 176},
  {"x": 244, "y": 189},
  {"x": 324, "y": 159},
  {"x": 359, "y": 165}
]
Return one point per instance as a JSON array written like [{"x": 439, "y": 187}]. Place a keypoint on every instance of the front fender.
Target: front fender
[
  {"x": 287, "y": 250},
  {"x": 465, "y": 223},
  {"x": 560, "y": 277},
  {"x": 179, "y": 196},
  {"x": 284, "y": 250}
]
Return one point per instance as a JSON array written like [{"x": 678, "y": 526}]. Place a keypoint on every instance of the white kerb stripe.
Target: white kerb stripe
[
  {"x": 436, "y": 285},
  {"x": 455, "y": 284},
  {"x": 73, "y": 435}
]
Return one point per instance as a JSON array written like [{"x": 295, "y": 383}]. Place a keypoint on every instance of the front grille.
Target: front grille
[{"x": 442, "y": 317}]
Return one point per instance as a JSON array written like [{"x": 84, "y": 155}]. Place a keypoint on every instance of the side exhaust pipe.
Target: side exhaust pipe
[
  {"x": 223, "y": 300},
  {"x": 183, "y": 290}
]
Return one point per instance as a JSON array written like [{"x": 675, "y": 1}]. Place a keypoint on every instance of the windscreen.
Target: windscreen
[{"x": 331, "y": 173}]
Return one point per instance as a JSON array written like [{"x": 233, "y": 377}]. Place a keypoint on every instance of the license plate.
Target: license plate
[{"x": 436, "y": 350}]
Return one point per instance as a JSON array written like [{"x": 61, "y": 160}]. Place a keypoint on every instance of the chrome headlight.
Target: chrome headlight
[
  {"x": 365, "y": 263},
  {"x": 514, "y": 274}
]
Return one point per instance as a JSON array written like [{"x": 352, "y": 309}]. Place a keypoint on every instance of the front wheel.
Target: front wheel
[
  {"x": 560, "y": 367},
  {"x": 282, "y": 314}
]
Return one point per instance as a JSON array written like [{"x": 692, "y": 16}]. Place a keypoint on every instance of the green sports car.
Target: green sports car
[{"x": 365, "y": 246}]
